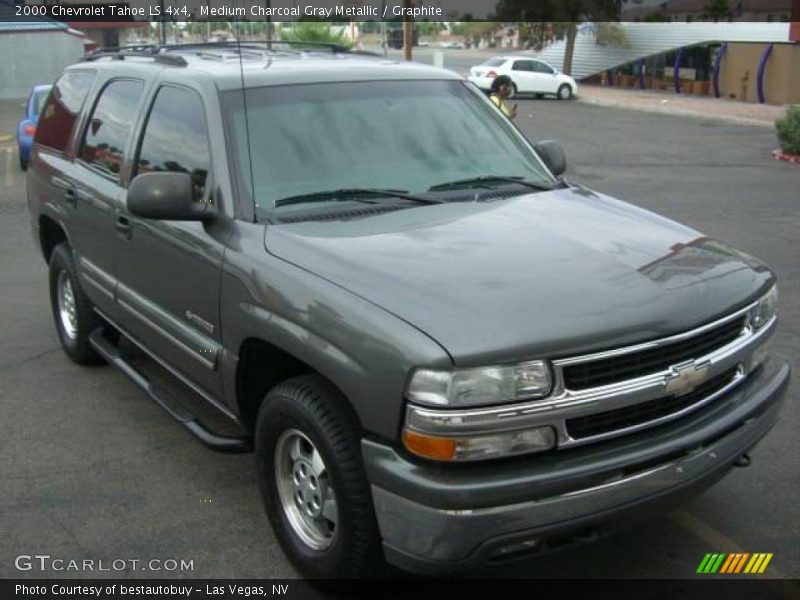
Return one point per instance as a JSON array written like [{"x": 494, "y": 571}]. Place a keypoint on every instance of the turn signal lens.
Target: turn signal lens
[
  {"x": 29, "y": 129},
  {"x": 497, "y": 445},
  {"x": 429, "y": 446}
]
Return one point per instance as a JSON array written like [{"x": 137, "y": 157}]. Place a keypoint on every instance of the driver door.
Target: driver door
[{"x": 169, "y": 271}]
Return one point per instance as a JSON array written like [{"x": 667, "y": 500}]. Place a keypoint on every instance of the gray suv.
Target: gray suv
[{"x": 441, "y": 352}]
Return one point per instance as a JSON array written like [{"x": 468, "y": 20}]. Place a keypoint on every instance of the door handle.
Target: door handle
[
  {"x": 123, "y": 226},
  {"x": 71, "y": 196}
]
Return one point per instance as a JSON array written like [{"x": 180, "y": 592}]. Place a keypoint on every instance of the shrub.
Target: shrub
[
  {"x": 312, "y": 31},
  {"x": 789, "y": 130}
]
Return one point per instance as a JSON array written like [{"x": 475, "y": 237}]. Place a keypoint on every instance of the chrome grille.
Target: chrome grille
[
  {"x": 631, "y": 416},
  {"x": 651, "y": 360}
]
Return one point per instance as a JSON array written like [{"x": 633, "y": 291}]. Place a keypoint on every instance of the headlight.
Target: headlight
[
  {"x": 764, "y": 309},
  {"x": 486, "y": 385}
]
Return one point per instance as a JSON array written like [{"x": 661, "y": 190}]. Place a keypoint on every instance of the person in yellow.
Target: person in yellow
[{"x": 501, "y": 90}]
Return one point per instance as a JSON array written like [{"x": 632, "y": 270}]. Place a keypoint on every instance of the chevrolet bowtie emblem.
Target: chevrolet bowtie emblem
[{"x": 684, "y": 378}]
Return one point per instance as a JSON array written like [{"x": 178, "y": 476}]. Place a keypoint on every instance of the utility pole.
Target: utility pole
[
  {"x": 162, "y": 28},
  {"x": 268, "y": 5},
  {"x": 383, "y": 31},
  {"x": 408, "y": 30}
]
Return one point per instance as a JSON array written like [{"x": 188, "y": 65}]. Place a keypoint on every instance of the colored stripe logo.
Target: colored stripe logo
[{"x": 737, "y": 562}]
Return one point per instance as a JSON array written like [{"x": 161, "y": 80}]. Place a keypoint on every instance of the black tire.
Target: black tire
[
  {"x": 513, "y": 90},
  {"x": 311, "y": 406},
  {"x": 564, "y": 92},
  {"x": 76, "y": 344}
]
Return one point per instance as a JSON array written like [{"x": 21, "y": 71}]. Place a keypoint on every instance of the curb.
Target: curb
[
  {"x": 678, "y": 112},
  {"x": 781, "y": 155}
]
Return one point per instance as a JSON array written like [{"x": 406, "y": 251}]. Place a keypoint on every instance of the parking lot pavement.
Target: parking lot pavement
[{"x": 92, "y": 469}]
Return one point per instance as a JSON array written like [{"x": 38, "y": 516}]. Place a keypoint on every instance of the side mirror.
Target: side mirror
[
  {"x": 167, "y": 196},
  {"x": 552, "y": 155}
]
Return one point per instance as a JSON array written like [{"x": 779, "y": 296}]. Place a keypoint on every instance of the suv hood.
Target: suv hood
[{"x": 541, "y": 275}]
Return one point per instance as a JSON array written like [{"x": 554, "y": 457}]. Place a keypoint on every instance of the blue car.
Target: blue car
[{"x": 26, "y": 128}]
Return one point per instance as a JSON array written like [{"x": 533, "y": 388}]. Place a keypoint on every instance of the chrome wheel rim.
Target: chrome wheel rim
[
  {"x": 304, "y": 488},
  {"x": 67, "y": 312}
]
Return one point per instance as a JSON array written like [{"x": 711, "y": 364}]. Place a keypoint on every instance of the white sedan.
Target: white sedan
[{"x": 529, "y": 75}]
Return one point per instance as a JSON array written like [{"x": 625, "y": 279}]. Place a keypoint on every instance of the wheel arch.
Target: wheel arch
[
  {"x": 263, "y": 365},
  {"x": 51, "y": 234}
]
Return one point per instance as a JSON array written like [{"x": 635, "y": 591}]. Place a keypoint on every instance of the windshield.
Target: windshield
[
  {"x": 494, "y": 62},
  {"x": 400, "y": 135}
]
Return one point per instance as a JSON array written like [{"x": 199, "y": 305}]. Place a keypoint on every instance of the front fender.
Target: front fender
[{"x": 364, "y": 350}]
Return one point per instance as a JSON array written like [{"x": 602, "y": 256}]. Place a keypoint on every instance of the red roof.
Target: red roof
[{"x": 107, "y": 24}]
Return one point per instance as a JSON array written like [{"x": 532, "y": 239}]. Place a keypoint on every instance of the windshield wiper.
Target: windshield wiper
[
  {"x": 488, "y": 179},
  {"x": 350, "y": 194}
]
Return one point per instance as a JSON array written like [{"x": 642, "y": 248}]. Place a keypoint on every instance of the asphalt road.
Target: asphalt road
[{"x": 91, "y": 469}]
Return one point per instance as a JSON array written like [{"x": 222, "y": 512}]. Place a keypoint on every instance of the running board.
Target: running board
[{"x": 173, "y": 408}]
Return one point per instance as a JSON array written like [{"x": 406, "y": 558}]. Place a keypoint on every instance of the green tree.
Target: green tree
[
  {"x": 312, "y": 31},
  {"x": 716, "y": 10},
  {"x": 563, "y": 16},
  {"x": 611, "y": 34}
]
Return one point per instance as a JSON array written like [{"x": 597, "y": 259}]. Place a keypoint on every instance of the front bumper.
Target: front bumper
[{"x": 435, "y": 518}]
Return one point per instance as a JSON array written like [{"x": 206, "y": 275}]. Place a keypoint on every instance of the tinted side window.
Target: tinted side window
[
  {"x": 110, "y": 126},
  {"x": 176, "y": 137},
  {"x": 523, "y": 65},
  {"x": 541, "y": 68},
  {"x": 62, "y": 109}
]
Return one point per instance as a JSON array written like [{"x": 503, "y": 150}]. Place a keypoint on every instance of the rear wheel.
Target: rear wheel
[
  {"x": 564, "y": 92},
  {"x": 313, "y": 483},
  {"x": 73, "y": 313}
]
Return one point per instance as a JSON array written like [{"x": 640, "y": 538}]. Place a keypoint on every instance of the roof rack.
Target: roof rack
[
  {"x": 170, "y": 53},
  {"x": 333, "y": 48},
  {"x": 141, "y": 51}
]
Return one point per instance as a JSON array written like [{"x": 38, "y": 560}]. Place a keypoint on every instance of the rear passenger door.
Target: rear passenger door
[
  {"x": 169, "y": 271},
  {"x": 93, "y": 187},
  {"x": 523, "y": 75}
]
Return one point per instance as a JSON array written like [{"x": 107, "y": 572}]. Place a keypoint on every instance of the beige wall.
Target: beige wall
[{"x": 781, "y": 80}]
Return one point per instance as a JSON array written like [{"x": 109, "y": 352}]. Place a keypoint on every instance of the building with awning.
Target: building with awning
[{"x": 748, "y": 61}]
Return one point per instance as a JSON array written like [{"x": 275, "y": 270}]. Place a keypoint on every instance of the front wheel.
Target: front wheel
[
  {"x": 313, "y": 483},
  {"x": 73, "y": 313},
  {"x": 564, "y": 92}
]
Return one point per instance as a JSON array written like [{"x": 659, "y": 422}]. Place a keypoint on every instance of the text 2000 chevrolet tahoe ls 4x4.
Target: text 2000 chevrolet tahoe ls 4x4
[{"x": 444, "y": 354}]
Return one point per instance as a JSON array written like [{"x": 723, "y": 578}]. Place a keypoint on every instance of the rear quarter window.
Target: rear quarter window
[{"x": 63, "y": 107}]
